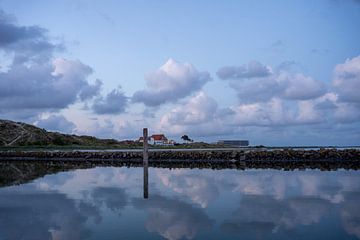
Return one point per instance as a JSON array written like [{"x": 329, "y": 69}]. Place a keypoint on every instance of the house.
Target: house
[{"x": 159, "y": 139}]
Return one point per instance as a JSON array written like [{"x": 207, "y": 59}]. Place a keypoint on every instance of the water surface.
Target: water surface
[{"x": 108, "y": 203}]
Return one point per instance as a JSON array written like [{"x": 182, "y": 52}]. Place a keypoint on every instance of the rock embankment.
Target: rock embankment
[{"x": 282, "y": 159}]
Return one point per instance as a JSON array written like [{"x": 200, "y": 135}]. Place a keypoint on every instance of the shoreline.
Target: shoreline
[{"x": 324, "y": 159}]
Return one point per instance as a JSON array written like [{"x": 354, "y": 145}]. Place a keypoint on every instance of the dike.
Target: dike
[{"x": 287, "y": 159}]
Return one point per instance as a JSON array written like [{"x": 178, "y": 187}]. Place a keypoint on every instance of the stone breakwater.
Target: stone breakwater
[{"x": 326, "y": 159}]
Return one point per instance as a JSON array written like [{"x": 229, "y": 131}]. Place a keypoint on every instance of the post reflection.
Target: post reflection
[
  {"x": 146, "y": 181},
  {"x": 146, "y": 163}
]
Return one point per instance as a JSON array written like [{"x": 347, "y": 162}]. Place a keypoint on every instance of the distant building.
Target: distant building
[
  {"x": 159, "y": 139},
  {"x": 234, "y": 143}
]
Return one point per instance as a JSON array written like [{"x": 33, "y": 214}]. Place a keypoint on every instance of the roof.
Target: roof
[{"x": 158, "y": 137}]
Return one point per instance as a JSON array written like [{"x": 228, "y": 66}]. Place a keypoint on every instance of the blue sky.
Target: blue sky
[{"x": 273, "y": 72}]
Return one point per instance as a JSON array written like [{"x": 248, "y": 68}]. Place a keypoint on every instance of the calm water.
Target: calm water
[{"x": 108, "y": 203}]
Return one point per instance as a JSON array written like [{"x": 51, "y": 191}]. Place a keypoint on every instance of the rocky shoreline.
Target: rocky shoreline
[{"x": 326, "y": 159}]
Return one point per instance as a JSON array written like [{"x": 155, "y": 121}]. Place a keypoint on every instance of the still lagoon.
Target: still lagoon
[{"x": 109, "y": 203}]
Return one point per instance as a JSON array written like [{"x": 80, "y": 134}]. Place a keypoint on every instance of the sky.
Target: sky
[{"x": 277, "y": 73}]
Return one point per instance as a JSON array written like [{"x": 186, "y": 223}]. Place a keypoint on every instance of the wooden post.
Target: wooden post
[{"x": 146, "y": 163}]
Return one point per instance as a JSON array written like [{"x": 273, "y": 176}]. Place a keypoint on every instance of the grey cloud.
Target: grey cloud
[
  {"x": 37, "y": 215},
  {"x": 253, "y": 69},
  {"x": 113, "y": 198},
  {"x": 171, "y": 82},
  {"x": 38, "y": 87},
  {"x": 115, "y": 102},
  {"x": 12, "y": 33},
  {"x": 33, "y": 81},
  {"x": 257, "y": 90},
  {"x": 173, "y": 219},
  {"x": 57, "y": 123},
  {"x": 26, "y": 42},
  {"x": 350, "y": 214},
  {"x": 259, "y": 83},
  {"x": 262, "y": 215},
  {"x": 325, "y": 105},
  {"x": 90, "y": 91}
]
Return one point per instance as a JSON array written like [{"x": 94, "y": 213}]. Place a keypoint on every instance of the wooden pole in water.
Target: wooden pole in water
[{"x": 146, "y": 163}]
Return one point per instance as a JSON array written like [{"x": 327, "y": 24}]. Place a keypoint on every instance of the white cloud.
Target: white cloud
[
  {"x": 347, "y": 80},
  {"x": 271, "y": 113},
  {"x": 308, "y": 113},
  {"x": 198, "y": 116},
  {"x": 300, "y": 87},
  {"x": 199, "y": 109},
  {"x": 200, "y": 189},
  {"x": 171, "y": 82},
  {"x": 172, "y": 218}
]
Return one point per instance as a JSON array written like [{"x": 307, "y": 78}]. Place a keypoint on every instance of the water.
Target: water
[{"x": 108, "y": 203}]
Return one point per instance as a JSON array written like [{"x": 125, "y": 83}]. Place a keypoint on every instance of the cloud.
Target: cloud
[
  {"x": 256, "y": 82},
  {"x": 113, "y": 198},
  {"x": 350, "y": 214},
  {"x": 171, "y": 82},
  {"x": 199, "y": 115},
  {"x": 347, "y": 80},
  {"x": 200, "y": 189},
  {"x": 33, "y": 81},
  {"x": 45, "y": 86},
  {"x": 271, "y": 113},
  {"x": 172, "y": 218},
  {"x": 262, "y": 215},
  {"x": 56, "y": 123},
  {"x": 90, "y": 91},
  {"x": 25, "y": 42},
  {"x": 49, "y": 215},
  {"x": 257, "y": 89},
  {"x": 347, "y": 113},
  {"x": 301, "y": 87},
  {"x": 114, "y": 102},
  {"x": 251, "y": 70},
  {"x": 198, "y": 109}
]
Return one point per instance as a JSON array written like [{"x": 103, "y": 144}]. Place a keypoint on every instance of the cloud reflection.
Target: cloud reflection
[
  {"x": 26, "y": 213},
  {"x": 173, "y": 219},
  {"x": 199, "y": 188}
]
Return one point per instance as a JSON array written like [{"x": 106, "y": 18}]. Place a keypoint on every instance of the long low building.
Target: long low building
[{"x": 234, "y": 143}]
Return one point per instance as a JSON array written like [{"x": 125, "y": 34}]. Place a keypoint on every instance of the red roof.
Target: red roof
[{"x": 159, "y": 137}]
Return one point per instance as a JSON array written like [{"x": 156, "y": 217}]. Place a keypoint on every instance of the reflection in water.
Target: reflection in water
[
  {"x": 27, "y": 213},
  {"x": 112, "y": 197},
  {"x": 104, "y": 203},
  {"x": 171, "y": 218},
  {"x": 263, "y": 215},
  {"x": 146, "y": 181}
]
